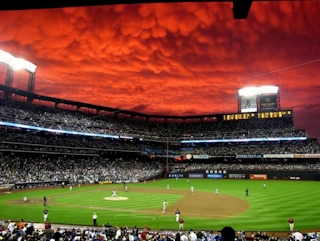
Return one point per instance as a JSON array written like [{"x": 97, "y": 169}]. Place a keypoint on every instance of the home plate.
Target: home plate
[{"x": 116, "y": 198}]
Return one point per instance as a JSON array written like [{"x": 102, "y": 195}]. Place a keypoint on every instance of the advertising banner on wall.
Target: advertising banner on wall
[
  {"x": 306, "y": 155},
  {"x": 259, "y": 176},
  {"x": 237, "y": 176},
  {"x": 106, "y": 182},
  {"x": 248, "y": 104},
  {"x": 277, "y": 155},
  {"x": 200, "y": 157},
  {"x": 174, "y": 175},
  {"x": 249, "y": 156},
  {"x": 268, "y": 103},
  {"x": 196, "y": 175},
  {"x": 214, "y": 176},
  {"x": 294, "y": 178}
]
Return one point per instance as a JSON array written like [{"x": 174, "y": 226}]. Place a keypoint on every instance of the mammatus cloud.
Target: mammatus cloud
[{"x": 168, "y": 58}]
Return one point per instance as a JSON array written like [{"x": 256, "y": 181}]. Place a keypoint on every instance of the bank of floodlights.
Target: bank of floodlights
[
  {"x": 263, "y": 98},
  {"x": 15, "y": 63}
]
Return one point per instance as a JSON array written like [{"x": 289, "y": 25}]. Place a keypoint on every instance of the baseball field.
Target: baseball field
[{"x": 265, "y": 209}]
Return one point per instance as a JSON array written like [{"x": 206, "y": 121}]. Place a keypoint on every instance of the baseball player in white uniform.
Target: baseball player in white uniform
[
  {"x": 114, "y": 193},
  {"x": 126, "y": 188},
  {"x": 168, "y": 186},
  {"x": 25, "y": 198},
  {"x": 217, "y": 191},
  {"x": 192, "y": 190},
  {"x": 164, "y": 206},
  {"x": 264, "y": 186},
  {"x": 45, "y": 215},
  {"x": 70, "y": 187},
  {"x": 177, "y": 215}
]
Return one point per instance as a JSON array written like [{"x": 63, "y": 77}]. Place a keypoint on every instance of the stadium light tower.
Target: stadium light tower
[
  {"x": 14, "y": 63},
  {"x": 263, "y": 98}
]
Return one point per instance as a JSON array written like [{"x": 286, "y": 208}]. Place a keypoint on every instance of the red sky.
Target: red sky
[{"x": 170, "y": 58}]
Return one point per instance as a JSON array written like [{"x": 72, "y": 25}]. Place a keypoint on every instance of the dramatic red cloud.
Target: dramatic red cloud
[{"x": 171, "y": 58}]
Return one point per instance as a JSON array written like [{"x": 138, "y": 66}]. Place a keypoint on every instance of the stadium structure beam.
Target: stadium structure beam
[
  {"x": 9, "y": 76},
  {"x": 31, "y": 83},
  {"x": 240, "y": 9}
]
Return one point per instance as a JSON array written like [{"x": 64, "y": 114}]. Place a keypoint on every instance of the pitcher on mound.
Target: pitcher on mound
[{"x": 114, "y": 193}]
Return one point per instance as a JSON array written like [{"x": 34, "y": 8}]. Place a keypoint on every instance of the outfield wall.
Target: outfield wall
[{"x": 249, "y": 174}]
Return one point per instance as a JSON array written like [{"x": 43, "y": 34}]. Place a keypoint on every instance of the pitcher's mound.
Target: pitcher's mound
[{"x": 116, "y": 198}]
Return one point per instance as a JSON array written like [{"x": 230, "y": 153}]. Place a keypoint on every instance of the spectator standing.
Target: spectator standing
[
  {"x": 21, "y": 224},
  {"x": 297, "y": 236},
  {"x": 118, "y": 233},
  {"x": 11, "y": 226},
  {"x": 291, "y": 224},
  {"x": 184, "y": 237},
  {"x": 192, "y": 236},
  {"x": 57, "y": 235},
  {"x": 135, "y": 233},
  {"x": 30, "y": 230},
  {"x": 199, "y": 235},
  {"x": 178, "y": 237},
  {"x": 228, "y": 234},
  {"x": 49, "y": 233}
]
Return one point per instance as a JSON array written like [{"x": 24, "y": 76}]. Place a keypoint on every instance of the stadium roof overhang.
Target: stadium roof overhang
[
  {"x": 31, "y": 96},
  {"x": 240, "y": 7}
]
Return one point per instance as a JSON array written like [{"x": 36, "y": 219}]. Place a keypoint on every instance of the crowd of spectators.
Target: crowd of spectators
[
  {"x": 16, "y": 139},
  {"x": 30, "y": 169},
  {"x": 189, "y": 167},
  {"x": 125, "y": 125},
  {"x": 41, "y": 141},
  {"x": 23, "y": 231},
  {"x": 289, "y": 147}
]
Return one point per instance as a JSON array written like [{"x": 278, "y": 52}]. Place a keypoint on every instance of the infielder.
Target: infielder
[
  {"x": 177, "y": 215},
  {"x": 217, "y": 191},
  {"x": 164, "y": 206},
  {"x": 25, "y": 198},
  {"x": 168, "y": 186},
  {"x": 114, "y": 193},
  {"x": 192, "y": 190}
]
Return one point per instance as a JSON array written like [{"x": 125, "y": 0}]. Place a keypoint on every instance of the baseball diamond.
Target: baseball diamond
[{"x": 265, "y": 209}]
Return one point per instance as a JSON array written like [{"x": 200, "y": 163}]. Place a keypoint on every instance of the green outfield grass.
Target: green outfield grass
[{"x": 269, "y": 209}]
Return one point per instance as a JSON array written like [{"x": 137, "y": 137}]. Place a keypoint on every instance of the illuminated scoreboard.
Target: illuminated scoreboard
[
  {"x": 242, "y": 116},
  {"x": 260, "y": 115}
]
